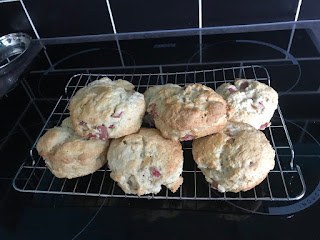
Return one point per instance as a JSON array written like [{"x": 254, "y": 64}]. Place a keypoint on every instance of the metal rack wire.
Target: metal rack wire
[{"x": 284, "y": 183}]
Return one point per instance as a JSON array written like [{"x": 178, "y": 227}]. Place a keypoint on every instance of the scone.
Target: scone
[
  {"x": 144, "y": 161},
  {"x": 107, "y": 109},
  {"x": 236, "y": 159},
  {"x": 68, "y": 155},
  {"x": 252, "y": 102},
  {"x": 186, "y": 113}
]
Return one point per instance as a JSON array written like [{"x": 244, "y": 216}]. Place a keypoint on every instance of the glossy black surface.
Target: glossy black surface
[
  {"x": 224, "y": 47},
  {"x": 300, "y": 37},
  {"x": 309, "y": 10},
  {"x": 96, "y": 54},
  {"x": 142, "y": 15},
  {"x": 14, "y": 19},
  {"x": 233, "y": 12},
  {"x": 69, "y": 18},
  {"x": 159, "y": 51},
  {"x": 54, "y": 216},
  {"x": 40, "y": 62}
]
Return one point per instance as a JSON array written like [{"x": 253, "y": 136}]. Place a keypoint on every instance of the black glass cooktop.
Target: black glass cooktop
[{"x": 295, "y": 76}]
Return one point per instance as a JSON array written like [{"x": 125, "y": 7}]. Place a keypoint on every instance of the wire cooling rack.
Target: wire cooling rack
[{"x": 284, "y": 183}]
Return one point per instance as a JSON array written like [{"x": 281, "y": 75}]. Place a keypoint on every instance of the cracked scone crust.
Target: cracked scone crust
[
  {"x": 68, "y": 155},
  {"x": 236, "y": 159},
  {"x": 107, "y": 109},
  {"x": 144, "y": 161},
  {"x": 252, "y": 102},
  {"x": 186, "y": 113}
]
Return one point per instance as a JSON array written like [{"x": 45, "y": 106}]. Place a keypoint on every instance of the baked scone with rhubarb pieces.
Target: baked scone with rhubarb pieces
[
  {"x": 67, "y": 155},
  {"x": 236, "y": 159},
  {"x": 186, "y": 113},
  {"x": 107, "y": 109},
  {"x": 140, "y": 163},
  {"x": 251, "y": 101}
]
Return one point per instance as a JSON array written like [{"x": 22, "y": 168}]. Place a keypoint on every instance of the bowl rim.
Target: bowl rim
[{"x": 26, "y": 39}]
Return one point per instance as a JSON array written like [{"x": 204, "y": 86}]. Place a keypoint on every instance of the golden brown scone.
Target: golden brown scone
[
  {"x": 252, "y": 102},
  {"x": 186, "y": 113},
  {"x": 68, "y": 155},
  {"x": 107, "y": 109},
  {"x": 144, "y": 161},
  {"x": 236, "y": 159}
]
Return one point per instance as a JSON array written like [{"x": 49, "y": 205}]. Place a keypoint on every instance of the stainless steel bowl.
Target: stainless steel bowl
[{"x": 12, "y": 46}]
